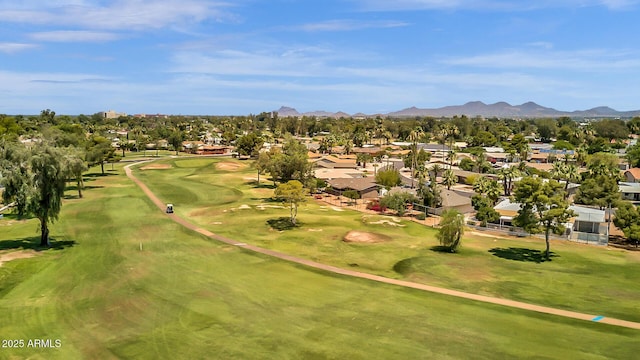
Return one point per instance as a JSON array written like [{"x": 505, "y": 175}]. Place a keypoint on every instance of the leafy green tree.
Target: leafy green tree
[
  {"x": 543, "y": 207},
  {"x": 291, "y": 163},
  {"x": 633, "y": 155},
  {"x": 599, "y": 190},
  {"x": 520, "y": 145},
  {"x": 484, "y": 209},
  {"x": 74, "y": 166},
  {"x": 262, "y": 163},
  {"x": 99, "y": 149},
  {"x": 546, "y": 129},
  {"x": 483, "y": 138},
  {"x": 352, "y": 194},
  {"x": 35, "y": 179},
  {"x": 487, "y": 214},
  {"x": 9, "y": 127},
  {"x": 611, "y": 129},
  {"x": 398, "y": 201},
  {"x": 634, "y": 125},
  {"x": 249, "y": 145},
  {"x": 603, "y": 164},
  {"x": 451, "y": 229},
  {"x": 175, "y": 139},
  {"x": 466, "y": 164},
  {"x": 388, "y": 178},
  {"x": 293, "y": 193},
  {"x": 628, "y": 220}
]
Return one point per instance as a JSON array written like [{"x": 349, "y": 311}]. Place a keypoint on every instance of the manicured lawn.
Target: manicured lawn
[
  {"x": 185, "y": 296},
  {"x": 583, "y": 278}
]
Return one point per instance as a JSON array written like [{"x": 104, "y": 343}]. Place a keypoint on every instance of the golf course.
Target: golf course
[{"x": 122, "y": 280}]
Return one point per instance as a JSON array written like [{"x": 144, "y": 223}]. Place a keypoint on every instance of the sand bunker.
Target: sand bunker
[
  {"x": 229, "y": 166},
  {"x": 365, "y": 237},
  {"x": 16, "y": 255},
  {"x": 156, "y": 167}
]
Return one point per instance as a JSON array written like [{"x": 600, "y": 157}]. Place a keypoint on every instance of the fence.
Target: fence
[
  {"x": 589, "y": 238},
  {"x": 575, "y": 236}
]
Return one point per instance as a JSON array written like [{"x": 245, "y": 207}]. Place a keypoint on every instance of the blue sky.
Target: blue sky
[{"x": 371, "y": 56}]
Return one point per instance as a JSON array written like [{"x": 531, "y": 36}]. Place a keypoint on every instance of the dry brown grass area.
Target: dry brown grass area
[
  {"x": 229, "y": 166},
  {"x": 365, "y": 237},
  {"x": 156, "y": 167},
  {"x": 13, "y": 255}
]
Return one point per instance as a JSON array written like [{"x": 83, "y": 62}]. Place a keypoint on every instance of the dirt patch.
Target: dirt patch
[
  {"x": 365, "y": 237},
  {"x": 229, "y": 166},
  {"x": 156, "y": 167},
  {"x": 5, "y": 257},
  {"x": 387, "y": 220},
  {"x": 263, "y": 207}
]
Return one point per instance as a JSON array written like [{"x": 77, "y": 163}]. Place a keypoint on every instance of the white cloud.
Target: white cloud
[
  {"x": 115, "y": 14},
  {"x": 498, "y": 5},
  {"x": 11, "y": 48},
  {"x": 582, "y": 60},
  {"x": 347, "y": 25},
  {"x": 74, "y": 36}
]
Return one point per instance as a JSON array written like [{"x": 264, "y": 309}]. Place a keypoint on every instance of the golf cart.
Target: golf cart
[{"x": 169, "y": 209}]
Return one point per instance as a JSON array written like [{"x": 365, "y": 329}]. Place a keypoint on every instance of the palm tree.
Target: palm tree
[
  {"x": 493, "y": 191},
  {"x": 379, "y": 131},
  {"x": 422, "y": 173},
  {"x": 480, "y": 161},
  {"x": 449, "y": 179},
  {"x": 507, "y": 174},
  {"x": 348, "y": 145},
  {"x": 451, "y": 156},
  {"x": 415, "y": 135},
  {"x": 558, "y": 170},
  {"x": 435, "y": 170}
]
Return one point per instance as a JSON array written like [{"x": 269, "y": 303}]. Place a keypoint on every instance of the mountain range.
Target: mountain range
[{"x": 478, "y": 108}]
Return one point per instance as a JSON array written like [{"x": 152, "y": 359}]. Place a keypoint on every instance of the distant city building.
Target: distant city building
[{"x": 111, "y": 114}]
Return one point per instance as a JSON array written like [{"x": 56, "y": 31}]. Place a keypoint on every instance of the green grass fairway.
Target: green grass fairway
[
  {"x": 184, "y": 296},
  {"x": 582, "y": 278}
]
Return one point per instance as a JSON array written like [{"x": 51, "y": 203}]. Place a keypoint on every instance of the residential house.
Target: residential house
[
  {"x": 465, "y": 176},
  {"x": 452, "y": 200},
  {"x": 587, "y": 224},
  {"x": 632, "y": 175},
  {"x": 630, "y": 191},
  {"x": 213, "y": 150},
  {"x": 337, "y": 162},
  {"x": 366, "y": 187},
  {"x": 191, "y": 147}
]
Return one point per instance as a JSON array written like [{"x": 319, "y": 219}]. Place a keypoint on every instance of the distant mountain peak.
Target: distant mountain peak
[{"x": 500, "y": 109}]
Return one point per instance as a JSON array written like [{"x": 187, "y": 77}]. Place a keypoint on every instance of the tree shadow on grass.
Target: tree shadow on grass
[
  {"x": 15, "y": 217},
  {"x": 522, "y": 254},
  {"x": 282, "y": 223},
  {"x": 94, "y": 175},
  {"x": 33, "y": 243},
  {"x": 262, "y": 185},
  {"x": 441, "y": 249}
]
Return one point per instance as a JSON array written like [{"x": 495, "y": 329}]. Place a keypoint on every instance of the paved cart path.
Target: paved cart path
[{"x": 336, "y": 270}]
